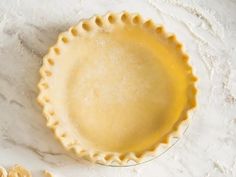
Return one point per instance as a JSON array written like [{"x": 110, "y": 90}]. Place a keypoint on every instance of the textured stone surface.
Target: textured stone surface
[{"x": 207, "y": 29}]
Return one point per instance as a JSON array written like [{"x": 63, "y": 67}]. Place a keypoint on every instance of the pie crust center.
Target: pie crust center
[
  {"x": 116, "y": 88},
  {"x": 118, "y": 91}
]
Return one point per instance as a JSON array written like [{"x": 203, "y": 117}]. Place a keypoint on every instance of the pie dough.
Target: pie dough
[
  {"x": 19, "y": 171},
  {"x": 114, "y": 88},
  {"x": 3, "y": 172},
  {"x": 48, "y": 174}
]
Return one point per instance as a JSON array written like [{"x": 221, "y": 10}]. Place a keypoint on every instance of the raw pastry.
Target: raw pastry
[
  {"x": 19, "y": 171},
  {"x": 114, "y": 88}
]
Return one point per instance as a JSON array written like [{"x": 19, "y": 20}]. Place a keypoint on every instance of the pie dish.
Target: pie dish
[{"x": 116, "y": 88}]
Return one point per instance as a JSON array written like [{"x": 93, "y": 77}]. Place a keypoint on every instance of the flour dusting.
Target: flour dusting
[
  {"x": 206, "y": 16},
  {"x": 207, "y": 30}
]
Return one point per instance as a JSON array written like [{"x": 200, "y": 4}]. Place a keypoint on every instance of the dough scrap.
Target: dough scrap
[
  {"x": 3, "y": 172},
  {"x": 19, "y": 171}
]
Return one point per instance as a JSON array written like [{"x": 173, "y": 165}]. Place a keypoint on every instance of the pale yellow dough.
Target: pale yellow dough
[
  {"x": 48, "y": 174},
  {"x": 19, "y": 171},
  {"x": 3, "y": 172},
  {"x": 117, "y": 90},
  {"x": 117, "y": 86}
]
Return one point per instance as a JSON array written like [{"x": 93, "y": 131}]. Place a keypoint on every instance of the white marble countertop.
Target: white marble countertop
[{"x": 208, "y": 30}]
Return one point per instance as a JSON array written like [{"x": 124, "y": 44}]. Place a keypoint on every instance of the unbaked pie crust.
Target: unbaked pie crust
[{"x": 116, "y": 87}]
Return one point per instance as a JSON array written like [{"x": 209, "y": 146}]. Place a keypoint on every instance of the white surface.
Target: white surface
[{"x": 207, "y": 28}]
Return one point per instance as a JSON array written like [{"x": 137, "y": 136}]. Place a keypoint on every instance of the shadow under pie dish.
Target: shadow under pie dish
[{"x": 115, "y": 88}]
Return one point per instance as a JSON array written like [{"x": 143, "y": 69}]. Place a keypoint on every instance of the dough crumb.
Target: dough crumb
[
  {"x": 3, "y": 172},
  {"x": 19, "y": 171},
  {"x": 48, "y": 174}
]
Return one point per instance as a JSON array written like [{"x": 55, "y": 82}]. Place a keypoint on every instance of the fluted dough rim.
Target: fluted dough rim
[{"x": 85, "y": 26}]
